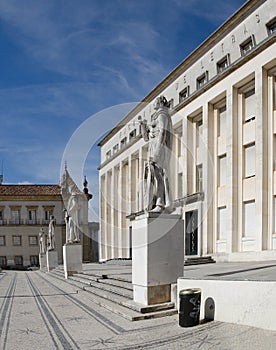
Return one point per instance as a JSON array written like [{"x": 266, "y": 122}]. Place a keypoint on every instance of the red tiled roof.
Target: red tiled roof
[{"x": 29, "y": 190}]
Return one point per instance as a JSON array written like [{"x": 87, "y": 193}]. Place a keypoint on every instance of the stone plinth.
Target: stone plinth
[
  {"x": 157, "y": 256},
  {"x": 51, "y": 259},
  {"x": 42, "y": 261},
  {"x": 72, "y": 259}
]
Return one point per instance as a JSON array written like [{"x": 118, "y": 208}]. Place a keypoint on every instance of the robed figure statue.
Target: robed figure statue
[{"x": 159, "y": 134}]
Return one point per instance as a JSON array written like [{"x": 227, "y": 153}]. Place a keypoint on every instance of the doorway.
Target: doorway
[{"x": 191, "y": 232}]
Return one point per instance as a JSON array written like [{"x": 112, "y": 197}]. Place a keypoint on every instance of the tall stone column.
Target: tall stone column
[{"x": 261, "y": 160}]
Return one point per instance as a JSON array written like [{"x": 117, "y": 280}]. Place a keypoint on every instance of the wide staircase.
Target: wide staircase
[{"x": 115, "y": 293}]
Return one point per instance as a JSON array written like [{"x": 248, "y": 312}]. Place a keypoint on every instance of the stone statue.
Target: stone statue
[
  {"x": 42, "y": 241},
  {"x": 159, "y": 134},
  {"x": 72, "y": 219},
  {"x": 51, "y": 234}
]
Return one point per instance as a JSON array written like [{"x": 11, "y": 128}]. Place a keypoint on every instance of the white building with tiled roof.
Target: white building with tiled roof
[{"x": 25, "y": 209}]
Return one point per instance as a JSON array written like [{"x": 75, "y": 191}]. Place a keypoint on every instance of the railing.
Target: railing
[{"x": 37, "y": 222}]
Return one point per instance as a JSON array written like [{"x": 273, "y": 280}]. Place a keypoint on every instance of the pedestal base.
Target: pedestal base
[
  {"x": 42, "y": 261},
  {"x": 157, "y": 256},
  {"x": 52, "y": 259},
  {"x": 72, "y": 259}
]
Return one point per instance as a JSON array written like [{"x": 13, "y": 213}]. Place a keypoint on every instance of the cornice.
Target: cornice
[{"x": 249, "y": 7}]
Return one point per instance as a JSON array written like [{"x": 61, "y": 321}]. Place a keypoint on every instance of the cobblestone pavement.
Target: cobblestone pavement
[{"x": 38, "y": 311}]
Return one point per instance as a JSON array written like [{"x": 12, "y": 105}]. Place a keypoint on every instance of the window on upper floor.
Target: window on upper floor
[
  {"x": 33, "y": 240},
  {"x": 15, "y": 216},
  {"x": 271, "y": 26},
  {"x": 249, "y": 105},
  {"x": 116, "y": 148},
  {"x": 247, "y": 45},
  {"x": 223, "y": 64},
  {"x": 202, "y": 80},
  {"x": 132, "y": 135},
  {"x": 222, "y": 121},
  {"x": 123, "y": 142},
  {"x": 1, "y": 217},
  {"x": 222, "y": 170},
  {"x": 108, "y": 154},
  {"x": 199, "y": 178},
  {"x": 249, "y": 161},
  {"x": 184, "y": 94},
  {"x": 32, "y": 216},
  {"x": 171, "y": 103},
  {"x": 2, "y": 240},
  {"x": 17, "y": 240}
]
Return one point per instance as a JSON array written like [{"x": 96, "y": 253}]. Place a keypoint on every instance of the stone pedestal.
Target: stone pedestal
[
  {"x": 72, "y": 259},
  {"x": 51, "y": 259},
  {"x": 157, "y": 256},
  {"x": 42, "y": 261}
]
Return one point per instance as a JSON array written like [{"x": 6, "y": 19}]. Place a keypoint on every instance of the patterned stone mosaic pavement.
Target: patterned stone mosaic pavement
[{"x": 38, "y": 311}]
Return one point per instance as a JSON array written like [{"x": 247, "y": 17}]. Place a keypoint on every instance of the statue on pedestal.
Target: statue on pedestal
[
  {"x": 42, "y": 241},
  {"x": 72, "y": 219},
  {"x": 51, "y": 234},
  {"x": 159, "y": 134}
]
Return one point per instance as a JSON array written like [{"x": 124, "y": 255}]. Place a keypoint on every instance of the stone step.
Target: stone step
[
  {"x": 118, "y": 290},
  {"x": 103, "y": 279},
  {"x": 199, "y": 260},
  {"x": 126, "y": 312}
]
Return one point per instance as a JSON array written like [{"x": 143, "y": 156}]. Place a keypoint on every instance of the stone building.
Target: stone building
[
  {"x": 223, "y": 172},
  {"x": 25, "y": 209}
]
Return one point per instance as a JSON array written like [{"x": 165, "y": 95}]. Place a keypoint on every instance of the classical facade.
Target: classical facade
[
  {"x": 223, "y": 169},
  {"x": 26, "y": 209}
]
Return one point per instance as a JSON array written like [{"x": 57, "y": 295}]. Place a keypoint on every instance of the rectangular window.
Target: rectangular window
[
  {"x": 33, "y": 240},
  {"x": 32, "y": 217},
  {"x": 34, "y": 260},
  {"x": 249, "y": 106},
  {"x": 222, "y": 170},
  {"x": 179, "y": 179},
  {"x": 247, "y": 45},
  {"x": 271, "y": 26},
  {"x": 15, "y": 216},
  {"x": 123, "y": 142},
  {"x": 222, "y": 121},
  {"x": 222, "y": 223},
  {"x": 18, "y": 260},
  {"x": 115, "y": 148},
  {"x": 223, "y": 64},
  {"x": 249, "y": 161},
  {"x": 184, "y": 94},
  {"x": 132, "y": 135},
  {"x": 108, "y": 154},
  {"x": 171, "y": 103},
  {"x": 2, "y": 222},
  {"x": 3, "y": 261},
  {"x": 47, "y": 214},
  {"x": 249, "y": 219},
  {"x": 202, "y": 80},
  {"x": 2, "y": 240},
  {"x": 17, "y": 240},
  {"x": 199, "y": 184}
]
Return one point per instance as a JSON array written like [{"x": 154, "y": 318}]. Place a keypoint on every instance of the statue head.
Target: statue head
[{"x": 161, "y": 101}]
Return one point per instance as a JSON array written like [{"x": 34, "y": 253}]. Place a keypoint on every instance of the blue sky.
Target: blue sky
[{"x": 62, "y": 61}]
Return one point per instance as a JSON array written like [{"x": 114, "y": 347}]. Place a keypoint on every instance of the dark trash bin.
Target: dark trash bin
[{"x": 189, "y": 308}]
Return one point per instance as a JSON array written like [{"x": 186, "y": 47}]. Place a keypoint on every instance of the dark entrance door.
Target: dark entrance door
[{"x": 191, "y": 232}]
